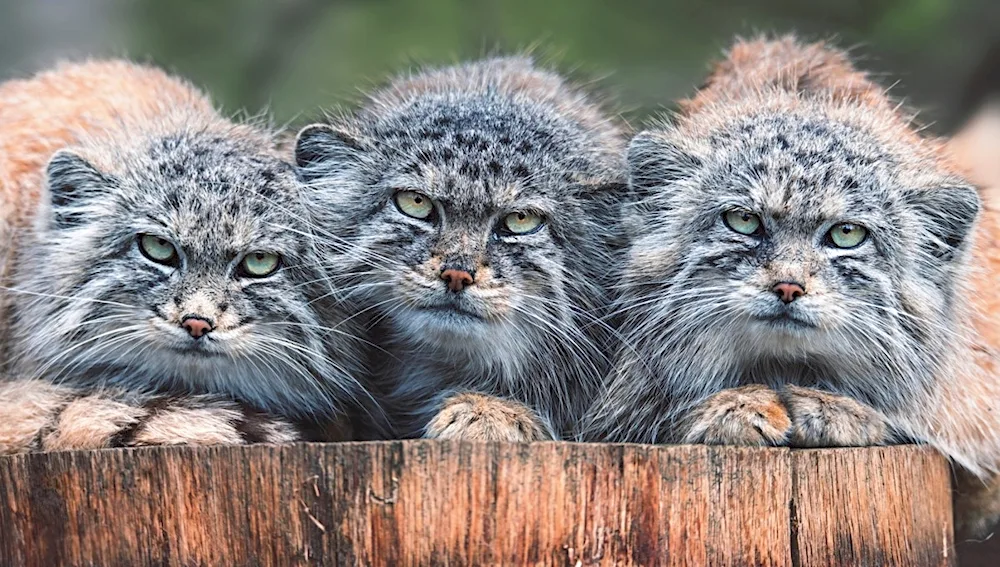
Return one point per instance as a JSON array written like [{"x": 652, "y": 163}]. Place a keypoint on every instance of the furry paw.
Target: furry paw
[
  {"x": 748, "y": 415},
  {"x": 476, "y": 417},
  {"x": 820, "y": 419},
  {"x": 204, "y": 420}
]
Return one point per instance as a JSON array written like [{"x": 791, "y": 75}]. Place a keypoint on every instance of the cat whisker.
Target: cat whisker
[{"x": 67, "y": 297}]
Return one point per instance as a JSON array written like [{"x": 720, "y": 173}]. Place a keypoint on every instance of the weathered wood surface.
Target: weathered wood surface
[{"x": 433, "y": 502}]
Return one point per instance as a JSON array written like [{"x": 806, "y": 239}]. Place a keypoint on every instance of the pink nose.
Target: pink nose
[
  {"x": 788, "y": 291},
  {"x": 457, "y": 279},
  {"x": 196, "y": 326}
]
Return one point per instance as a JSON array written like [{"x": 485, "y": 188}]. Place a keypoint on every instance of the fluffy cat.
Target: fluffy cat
[
  {"x": 802, "y": 271},
  {"x": 478, "y": 209},
  {"x": 170, "y": 254}
]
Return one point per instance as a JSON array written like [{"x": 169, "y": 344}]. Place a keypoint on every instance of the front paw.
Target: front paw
[
  {"x": 476, "y": 417},
  {"x": 205, "y": 420},
  {"x": 748, "y": 415},
  {"x": 820, "y": 419},
  {"x": 96, "y": 421}
]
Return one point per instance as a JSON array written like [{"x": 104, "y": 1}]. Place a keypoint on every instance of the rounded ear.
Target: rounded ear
[
  {"x": 655, "y": 161},
  {"x": 69, "y": 180},
  {"x": 318, "y": 146},
  {"x": 948, "y": 214}
]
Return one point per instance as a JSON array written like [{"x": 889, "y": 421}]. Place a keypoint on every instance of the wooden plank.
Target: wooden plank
[
  {"x": 438, "y": 502},
  {"x": 884, "y": 509}
]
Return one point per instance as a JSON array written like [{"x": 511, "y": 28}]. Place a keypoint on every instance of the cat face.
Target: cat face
[
  {"x": 471, "y": 218},
  {"x": 190, "y": 265},
  {"x": 791, "y": 236}
]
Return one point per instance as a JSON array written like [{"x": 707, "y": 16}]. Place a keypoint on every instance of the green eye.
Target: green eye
[
  {"x": 522, "y": 222},
  {"x": 416, "y": 205},
  {"x": 847, "y": 235},
  {"x": 157, "y": 249},
  {"x": 259, "y": 264},
  {"x": 741, "y": 221}
]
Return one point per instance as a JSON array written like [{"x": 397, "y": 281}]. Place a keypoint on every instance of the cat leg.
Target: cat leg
[
  {"x": 43, "y": 417},
  {"x": 478, "y": 417},
  {"x": 748, "y": 415},
  {"x": 88, "y": 422},
  {"x": 821, "y": 419},
  {"x": 204, "y": 420}
]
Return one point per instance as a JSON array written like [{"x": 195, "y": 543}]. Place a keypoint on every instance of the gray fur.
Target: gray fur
[
  {"x": 91, "y": 311},
  {"x": 482, "y": 140},
  {"x": 877, "y": 321}
]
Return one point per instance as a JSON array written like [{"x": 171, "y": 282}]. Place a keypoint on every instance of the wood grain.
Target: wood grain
[
  {"x": 830, "y": 487},
  {"x": 438, "y": 502}
]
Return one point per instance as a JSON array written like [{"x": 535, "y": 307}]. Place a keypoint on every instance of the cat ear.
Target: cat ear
[
  {"x": 321, "y": 147},
  {"x": 949, "y": 213},
  {"x": 69, "y": 180},
  {"x": 654, "y": 161}
]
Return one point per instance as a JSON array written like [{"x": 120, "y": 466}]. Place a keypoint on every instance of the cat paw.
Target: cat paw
[
  {"x": 821, "y": 419},
  {"x": 89, "y": 422},
  {"x": 748, "y": 415},
  {"x": 476, "y": 417}
]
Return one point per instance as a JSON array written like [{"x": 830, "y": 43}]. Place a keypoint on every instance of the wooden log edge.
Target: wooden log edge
[{"x": 437, "y": 502}]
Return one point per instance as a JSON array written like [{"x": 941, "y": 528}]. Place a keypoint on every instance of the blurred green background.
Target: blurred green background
[{"x": 296, "y": 56}]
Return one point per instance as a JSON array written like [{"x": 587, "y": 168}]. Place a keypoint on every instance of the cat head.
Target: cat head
[
  {"x": 184, "y": 263},
  {"x": 477, "y": 209},
  {"x": 797, "y": 233}
]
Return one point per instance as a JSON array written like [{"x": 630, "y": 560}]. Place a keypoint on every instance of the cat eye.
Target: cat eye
[
  {"x": 413, "y": 204},
  {"x": 742, "y": 221},
  {"x": 157, "y": 249},
  {"x": 847, "y": 235},
  {"x": 521, "y": 223},
  {"x": 259, "y": 264}
]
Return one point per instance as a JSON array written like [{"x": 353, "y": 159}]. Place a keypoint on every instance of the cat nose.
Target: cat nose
[
  {"x": 788, "y": 291},
  {"x": 458, "y": 279},
  {"x": 197, "y": 326}
]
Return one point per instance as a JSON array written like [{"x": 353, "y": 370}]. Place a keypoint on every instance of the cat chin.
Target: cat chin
[
  {"x": 171, "y": 369},
  {"x": 454, "y": 332},
  {"x": 783, "y": 326},
  {"x": 785, "y": 337},
  {"x": 441, "y": 325},
  {"x": 187, "y": 363}
]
